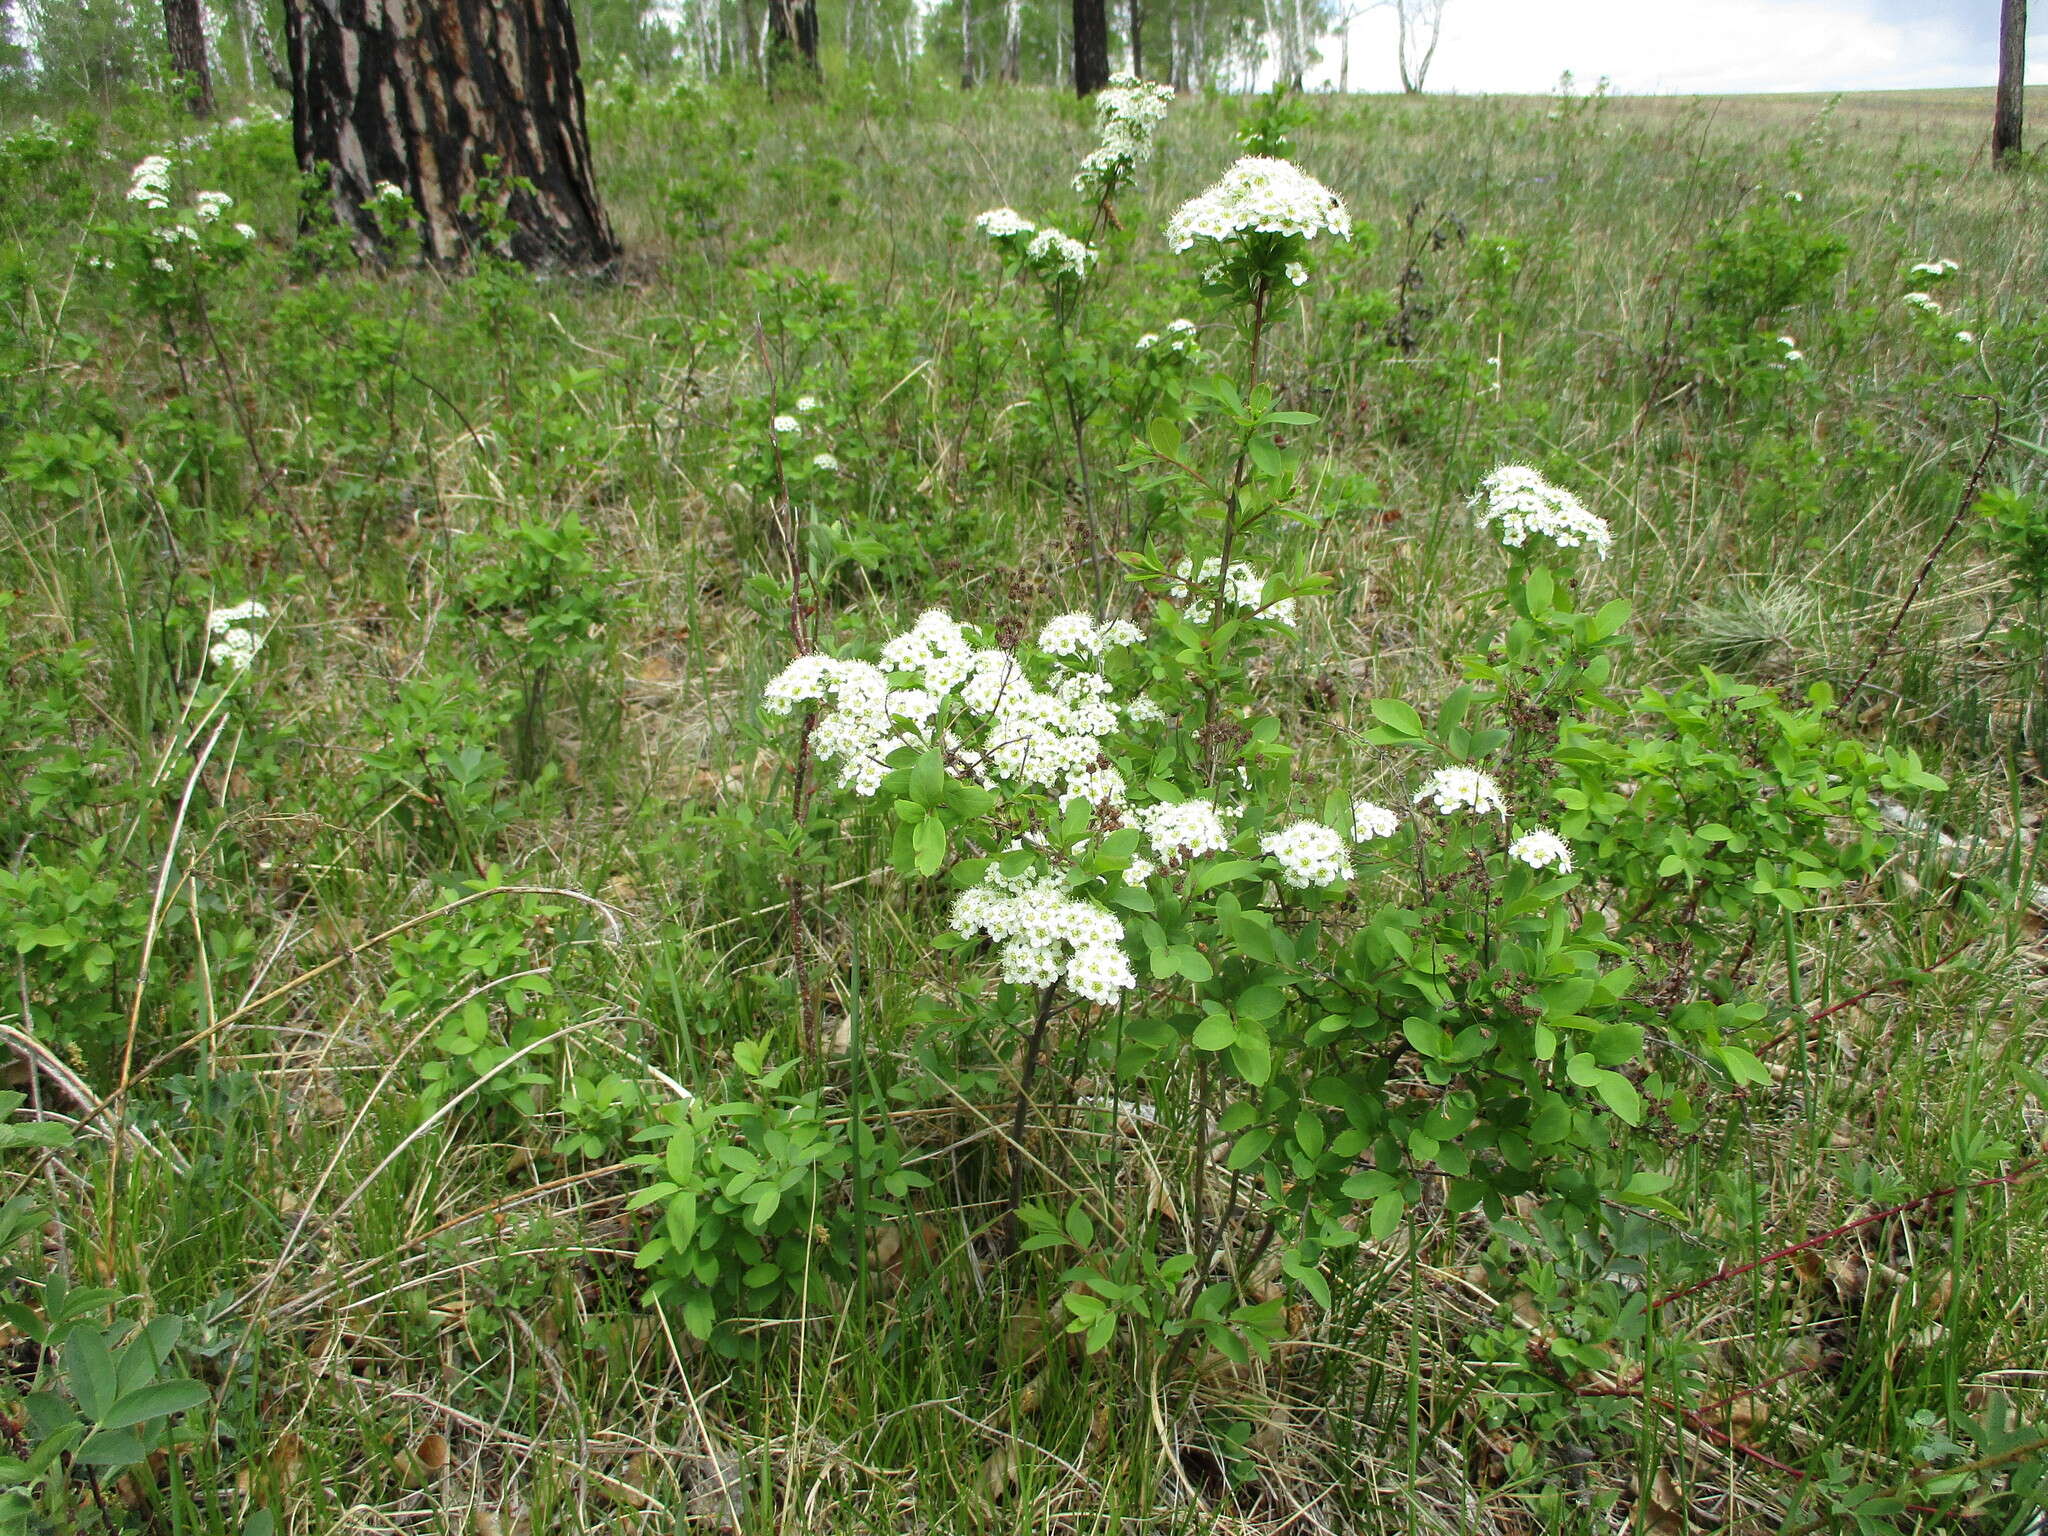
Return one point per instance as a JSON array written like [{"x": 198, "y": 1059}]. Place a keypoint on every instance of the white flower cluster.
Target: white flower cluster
[
  {"x": 1462, "y": 789},
  {"x": 1519, "y": 503},
  {"x": 1792, "y": 352},
  {"x": 1370, "y": 821},
  {"x": 825, "y": 463},
  {"x": 1183, "y": 829},
  {"x": 1004, "y": 224},
  {"x": 1059, "y": 255},
  {"x": 1049, "y": 738},
  {"x": 1246, "y": 588},
  {"x": 1259, "y": 195},
  {"x": 1923, "y": 301},
  {"x": 1128, "y": 113},
  {"x": 150, "y": 183},
  {"x": 211, "y": 205},
  {"x": 1542, "y": 849},
  {"x": 1940, "y": 267},
  {"x": 1310, "y": 855},
  {"x": 1047, "y": 936},
  {"x": 1180, "y": 336},
  {"x": 389, "y": 196},
  {"x": 1077, "y": 634},
  {"x": 235, "y": 646}
]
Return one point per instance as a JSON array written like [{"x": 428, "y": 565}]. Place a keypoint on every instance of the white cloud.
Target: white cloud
[{"x": 1683, "y": 46}]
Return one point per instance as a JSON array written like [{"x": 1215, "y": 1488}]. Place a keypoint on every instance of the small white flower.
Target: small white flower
[
  {"x": 1370, "y": 821},
  {"x": 1297, "y": 274},
  {"x": 805, "y": 404},
  {"x": 1309, "y": 854},
  {"x": 246, "y": 231},
  {"x": 1542, "y": 849},
  {"x": 1966, "y": 337},
  {"x": 211, "y": 205},
  {"x": 1148, "y": 341},
  {"x": 1795, "y": 197},
  {"x": 786, "y": 424},
  {"x": 1462, "y": 789},
  {"x": 1140, "y": 871},
  {"x": 1923, "y": 301},
  {"x": 1937, "y": 268},
  {"x": 825, "y": 463}
]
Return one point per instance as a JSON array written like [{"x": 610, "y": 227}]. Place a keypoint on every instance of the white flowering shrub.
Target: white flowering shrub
[{"x": 166, "y": 253}]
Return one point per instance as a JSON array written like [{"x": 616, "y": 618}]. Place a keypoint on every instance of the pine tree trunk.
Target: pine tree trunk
[
  {"x": 1134, "y": 12},
  {"x": 438, "y": 97},
  {"x": 1091, "y": 46},
  {"x": 793, "y": 32},
  {"x": 2008, "y": 126},
  {"x": 185, "y": 33}
]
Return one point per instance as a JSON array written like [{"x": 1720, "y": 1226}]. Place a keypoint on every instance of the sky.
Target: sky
[{"x": 1706, "y": 46}]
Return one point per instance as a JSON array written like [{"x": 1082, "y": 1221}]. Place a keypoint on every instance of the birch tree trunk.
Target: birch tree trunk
[
  {"x": 1013, "y": 41},
  {"x": 966, "y": 45},
  {"x": 263, "y": 44},
  {"x": 459, "y": 104},
  {"x": 185, "y": 35}
]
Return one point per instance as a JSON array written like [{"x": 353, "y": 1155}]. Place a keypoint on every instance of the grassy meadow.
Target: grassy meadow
[{"x": 348, "y": 987}]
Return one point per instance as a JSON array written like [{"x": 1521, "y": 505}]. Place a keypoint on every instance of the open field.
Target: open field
[{"x": 355, "y": 976}]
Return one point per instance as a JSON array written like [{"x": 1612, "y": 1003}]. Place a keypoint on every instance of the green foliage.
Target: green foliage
[
  {"x": 1751, "y": 271},
  {"x": 756, "y": 1221}
]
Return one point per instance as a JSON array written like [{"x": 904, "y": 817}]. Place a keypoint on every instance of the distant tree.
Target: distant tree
[
  {"x": 1091, "y": 46},
  {"x": 1421, "y": 23},
  {"x": 185, "y": 33},
  {"x": 1134, "y": 28},
  {"x": 1009, "y": 67},
  {"x": 793, "y": 31},
  {"x": 256, "y": 27},
  {"x": 967, "y": 69},
  {"x": 475, "y": 112},
  {"x": 2008, "y": 125}
]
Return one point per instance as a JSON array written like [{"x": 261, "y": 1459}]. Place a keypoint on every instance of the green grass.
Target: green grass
[{"x": 332, "y": 441}]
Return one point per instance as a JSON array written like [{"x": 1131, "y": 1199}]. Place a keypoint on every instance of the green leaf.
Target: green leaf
[
  {"x": 928, "y": 843},
  {"x": 1218, "y": 1032},
  {"x": 1164, "y": 436},
  {"x": 111, "y": 1448},
  {"x": 1386, "y": 1215},
  {"x": 1398, "y": 717},
  {"x": 928, "y": 779},
  {"x": 90, "y": 1370},
  {"x": 1080, "y": 1230},
  {"x": 1209, "y": 876},
  {"x": 156, "y": 1401}
]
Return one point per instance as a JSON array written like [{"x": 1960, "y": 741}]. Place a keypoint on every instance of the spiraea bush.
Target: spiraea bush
[{"x": 1008, "y": 845}]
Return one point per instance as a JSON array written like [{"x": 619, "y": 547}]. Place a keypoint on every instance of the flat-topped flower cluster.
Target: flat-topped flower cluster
[
  {"x": 1259, "y": 195},
  {"x": 1518, "y": 505}
]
